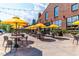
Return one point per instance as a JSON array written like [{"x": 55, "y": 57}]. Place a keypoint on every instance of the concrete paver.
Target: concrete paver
[{"x": 56, "y": 48}]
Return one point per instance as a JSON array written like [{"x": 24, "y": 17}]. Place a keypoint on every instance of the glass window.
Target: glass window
[
  {"x": 58, "y": 22},
  {"x": 74, "y": 7},
  {"x": 46, "y": 15},
  {"x": 69, "y": 23},
  {"x": 74, "y": 18},
  {"x": 56, "y": 11},
  {"x": 70, "y": 20}
]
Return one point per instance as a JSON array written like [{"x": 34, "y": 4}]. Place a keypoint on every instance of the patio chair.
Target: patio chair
[
  {"x": 26, "y": 40},
  {"x": 5, "y": 39},
  {"x": 76, "y": 38},
  {"x": 9, "y": 44},
  {"x": 41, "y": 37},
  {"x": 22, "y": 35}
]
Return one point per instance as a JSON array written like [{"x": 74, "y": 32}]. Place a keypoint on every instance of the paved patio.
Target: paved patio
[{"x": 43, "y": 48}]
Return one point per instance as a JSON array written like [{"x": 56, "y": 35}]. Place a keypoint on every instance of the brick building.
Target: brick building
[{"x": 62, "y": 14}]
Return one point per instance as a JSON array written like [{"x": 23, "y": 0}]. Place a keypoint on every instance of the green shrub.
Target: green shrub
[
  {"x": 54, "y": 31},
  {"x": 74, "y": 33},
  {"x": 65, "y": 31}
]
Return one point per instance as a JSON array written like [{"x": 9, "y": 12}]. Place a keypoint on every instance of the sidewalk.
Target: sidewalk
[{"x": 56, "y": 48}]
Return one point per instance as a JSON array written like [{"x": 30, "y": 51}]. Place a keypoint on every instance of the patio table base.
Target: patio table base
[{"x": 16, "y": 46}]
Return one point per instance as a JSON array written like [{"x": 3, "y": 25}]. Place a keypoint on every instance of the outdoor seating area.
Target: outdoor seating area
[
  {"x": 43, "y": 44},
  {"x": 43, "y": 37},
  {"x": 34, "y": 35},
  {"x": 15, "y": 41}
]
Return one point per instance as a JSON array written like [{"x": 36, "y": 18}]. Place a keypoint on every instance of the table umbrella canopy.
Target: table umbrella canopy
[
  {"x": 27, "y": 28},
  {"x": 31, "y": 27},
  {"x": 40, "y": 25},
  {"x": 76, "y": 23},
  {"x": 23, "y": 24},
  {"x": 14, "y": 20},
  {"x": 43, "y": 27},
  {"x": 18, "y": 27},
  {"x": 53, "y": 26}
]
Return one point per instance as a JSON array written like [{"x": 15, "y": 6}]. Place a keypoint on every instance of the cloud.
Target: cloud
[
  {"x": 40, "y": 6},
  {"x": 27, "y": 15}
]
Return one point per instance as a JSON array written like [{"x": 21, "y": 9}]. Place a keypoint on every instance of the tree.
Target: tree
[{"x": 6, "y": 27}]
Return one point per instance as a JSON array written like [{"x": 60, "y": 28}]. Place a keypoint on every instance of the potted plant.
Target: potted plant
[
  {"x": 54, "y": 31},
  {"x": 74, "y": 32}
]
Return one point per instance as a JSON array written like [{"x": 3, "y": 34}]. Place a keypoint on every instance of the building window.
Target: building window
[
  {"x": 70, "y": 20},
  {"x": 75, "y": 18},
  {"x": 46, "y": 15},
  {"x": 74, "y": 7},
  {"x": 56, "y": 11},
  {"x": 58, "y": 22}
]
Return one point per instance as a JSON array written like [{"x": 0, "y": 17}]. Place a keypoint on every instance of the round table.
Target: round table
[{"x": 16, "y": 40}]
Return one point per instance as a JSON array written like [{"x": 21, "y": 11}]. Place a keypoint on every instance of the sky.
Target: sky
[{"x": 26, "y": 11}]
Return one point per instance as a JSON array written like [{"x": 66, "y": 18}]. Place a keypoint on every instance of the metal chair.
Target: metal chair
[
  {"x": 9, "y": 44},
  {"x": 22, "y": 35},
  {"x": 5, "y": 39},
  {"x": 26, "y": 40},
  {"x": 76, "y": 38}
]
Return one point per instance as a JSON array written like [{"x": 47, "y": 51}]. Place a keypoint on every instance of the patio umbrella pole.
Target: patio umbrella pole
[
  {"x": 16, "y": 28},
  {"x": 16, "y": 45}
]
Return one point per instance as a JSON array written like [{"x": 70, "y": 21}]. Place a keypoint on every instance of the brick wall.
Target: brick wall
[{"x": 64, "y": 10}]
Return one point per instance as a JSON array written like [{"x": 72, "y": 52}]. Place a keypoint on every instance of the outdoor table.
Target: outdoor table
[
  {"x": 38, "y": 35},
  {"x": 16, "y": 40},
  {"x": 48, "y": 37},
  {"x": 16, "y": 34}
]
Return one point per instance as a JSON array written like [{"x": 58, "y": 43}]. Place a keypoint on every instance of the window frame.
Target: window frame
[
  {"x": 54, "y": 11},
  {"x": 46, "y": 15},
  {"x": 58, "y": 23},
  {"x": 72, "y": 19},
  {"x": 75, "y": 16},
  {"x": 73, "y": 5}
]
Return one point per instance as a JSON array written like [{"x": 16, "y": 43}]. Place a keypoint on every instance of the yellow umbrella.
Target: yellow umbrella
[
  {"x": 23, "y": 24},
  {"x": 53, "y": 26},
  {"x": 14, "y": 26},
  {"x": 27, "y": 27},
  {"x": 76, "y": 23},
  {"x": 44, "y": 27},
  {"x": 14, "y": 20},
  {"x": 31, "y": 27},
  {"x": 40, "y": 25}
]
